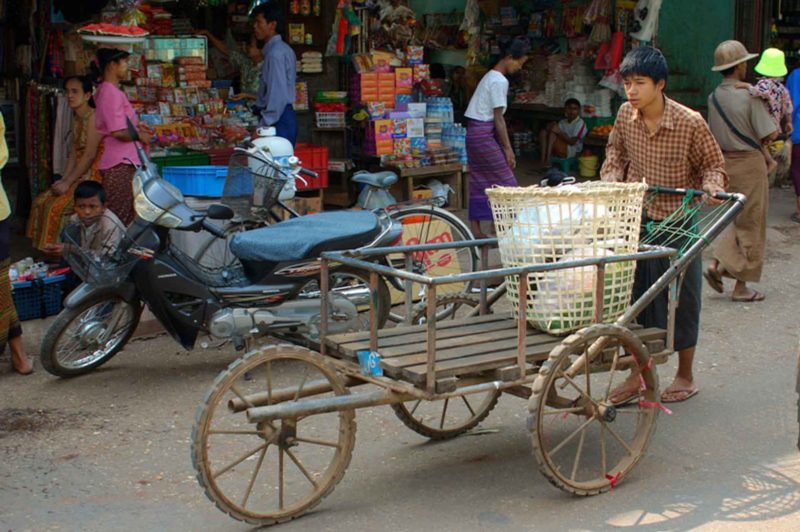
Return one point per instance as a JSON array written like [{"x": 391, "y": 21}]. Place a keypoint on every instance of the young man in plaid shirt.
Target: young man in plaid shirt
[{"x": 661, "y": 142}]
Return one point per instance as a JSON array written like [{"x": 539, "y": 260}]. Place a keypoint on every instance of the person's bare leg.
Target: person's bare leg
[
  {"x": 683, "y": 385},
  {"x": 19, "y": 359},
  {"x": 772, "y": 164},
  {"x": 475, "y": 227},
  {"x": 544, "y": 134}
]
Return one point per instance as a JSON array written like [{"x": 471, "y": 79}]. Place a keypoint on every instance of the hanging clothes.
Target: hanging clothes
[{"x": 62, "y": 135}]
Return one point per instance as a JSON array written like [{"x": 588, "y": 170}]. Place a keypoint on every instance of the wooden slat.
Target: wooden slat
[
  {"x": 478, "y": 363},
  {"x": 363, "y": 336},
  {"x": 384, "y": 344},
  {"x": 483, "y": 360},
  {"x": 469, "y": 350},
  {"x": 456, "y": 341}
]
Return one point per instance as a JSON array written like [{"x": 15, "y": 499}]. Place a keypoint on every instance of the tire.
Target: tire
[
  {"x": 212, "y": 447},
  {"x": 441, "y": 262},
  {"x": 54, "y": 362},
  {"x": 213, "y": 258},
  {"x": 621, "y": 433}
]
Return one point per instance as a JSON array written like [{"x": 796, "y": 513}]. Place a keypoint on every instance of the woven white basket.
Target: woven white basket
[{"x": 538, "y": 225}]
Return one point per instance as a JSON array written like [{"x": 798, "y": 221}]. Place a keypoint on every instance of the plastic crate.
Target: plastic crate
[
  {"x": 313, "y": 158},
  {"x": 331, "y": 120},
  {"x": 39, "y": 298},
  {"x": 188, "y": 159},
  {"x": 206, "y": 181}
]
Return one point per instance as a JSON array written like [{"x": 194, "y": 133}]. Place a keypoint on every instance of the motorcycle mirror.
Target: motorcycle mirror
[
  {"x": 219, "y": 212},
  {"x": 132, "y": 131}
]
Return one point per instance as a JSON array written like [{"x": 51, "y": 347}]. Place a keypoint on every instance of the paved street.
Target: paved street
[{"x": 110, "y": 450}]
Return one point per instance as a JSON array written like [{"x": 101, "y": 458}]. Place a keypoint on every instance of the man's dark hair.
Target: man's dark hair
[
  {"x": 271, "y": 11},
  {"x": 572, "y": 101},
  {"x": 516, "y": 48},
  {"x": 728, "y": 71},
  {"x": 90, "y": 189},
  {"x": 645, "y": 61}
]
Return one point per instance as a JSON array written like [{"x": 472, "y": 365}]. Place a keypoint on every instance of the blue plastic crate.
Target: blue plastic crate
[
  {"x": 39, "y": 298},
  {"x": 207, "y": 181}
]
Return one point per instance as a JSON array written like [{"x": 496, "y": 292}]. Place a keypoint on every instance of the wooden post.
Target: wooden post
[
  {"x": 324, "y": 286},
  {"x": 373, "y": 311},
  {"x": 600, "y": 282},
  {"x": 430, "y": 382},
  {"x": 409, "y": 289},
  {"x": 484, "y": 307},
  {"x": 522, "y": 322}
]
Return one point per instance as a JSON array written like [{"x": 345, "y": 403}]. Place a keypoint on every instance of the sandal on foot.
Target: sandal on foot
[
  {"x": 624, "y": 397},
  {"x": 679, "y": 395},
  {"x": 795, "y": 218},
  {"x": 755, "y": 296},
  {"x": 714, "y": 279}
]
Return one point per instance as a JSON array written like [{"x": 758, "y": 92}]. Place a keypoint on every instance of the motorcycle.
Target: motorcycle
[{"x": 273, "y": 289}]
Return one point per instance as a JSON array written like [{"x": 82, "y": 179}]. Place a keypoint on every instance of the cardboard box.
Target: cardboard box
[
  {"x": 403, "y": 77},
  {"x": 303, "y": 205},
  {"x": 421, "y": 193}
]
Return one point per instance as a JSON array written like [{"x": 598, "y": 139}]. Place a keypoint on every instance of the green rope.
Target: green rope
[{"x": 683, "y": 225}]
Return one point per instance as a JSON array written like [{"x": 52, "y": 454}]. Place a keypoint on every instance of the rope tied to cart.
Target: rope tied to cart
[{"x": 684, "y": 226}]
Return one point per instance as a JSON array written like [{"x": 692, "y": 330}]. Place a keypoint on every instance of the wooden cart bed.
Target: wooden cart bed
[{"x": 464, "y": 347}]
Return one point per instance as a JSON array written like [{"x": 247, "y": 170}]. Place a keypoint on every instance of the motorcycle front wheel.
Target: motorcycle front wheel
[{"x": 89, "y": 335}]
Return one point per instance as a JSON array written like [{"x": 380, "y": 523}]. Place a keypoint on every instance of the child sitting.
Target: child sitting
[
  {"x": 772, "y": 66},
  {"x": 94, "y": 227},
  {"x": 565, "y": 138}
]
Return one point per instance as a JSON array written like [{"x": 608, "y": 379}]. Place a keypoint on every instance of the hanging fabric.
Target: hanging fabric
[{"x": 645, "y": 20}]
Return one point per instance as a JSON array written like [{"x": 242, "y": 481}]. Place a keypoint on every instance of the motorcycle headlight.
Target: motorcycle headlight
[{"x": 148, "y": 211}]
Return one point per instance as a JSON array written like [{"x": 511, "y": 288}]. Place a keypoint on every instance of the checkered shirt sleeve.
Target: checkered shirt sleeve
[{"x": 682, "y": 153}]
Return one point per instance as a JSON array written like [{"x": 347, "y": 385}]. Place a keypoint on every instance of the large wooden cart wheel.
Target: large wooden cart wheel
[
  {"x": 273, "y": 471},
  {"x": 583, "y": 443},
  {"x": 447, "y": 418}
]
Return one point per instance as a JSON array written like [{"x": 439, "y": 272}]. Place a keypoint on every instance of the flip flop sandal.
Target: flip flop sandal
[
  {"x": 688, "y": 394},
  {"x": 630, "y": 397},
  {"x": 755, "y": 296},
  {"x": 795, "y": 218},
  {"x": 714, "y": 280}
]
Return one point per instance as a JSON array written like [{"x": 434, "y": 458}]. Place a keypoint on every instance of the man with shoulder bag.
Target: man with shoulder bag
[{"x": 741, "y": 124}]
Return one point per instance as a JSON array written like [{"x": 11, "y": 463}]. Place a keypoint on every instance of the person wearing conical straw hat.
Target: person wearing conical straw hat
[
  {"x": 770, "y": 88},
  {"x": 742, "y": 125}
]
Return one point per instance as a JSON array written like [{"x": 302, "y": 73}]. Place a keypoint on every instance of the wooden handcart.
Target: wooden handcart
[{"x": 276, "y": 431}]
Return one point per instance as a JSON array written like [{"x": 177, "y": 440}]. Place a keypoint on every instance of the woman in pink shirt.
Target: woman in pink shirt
[{"x": 119, "y": 152}]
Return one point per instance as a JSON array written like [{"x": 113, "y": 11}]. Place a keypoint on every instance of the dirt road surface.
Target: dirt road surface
[{"x": 110, "y": 450}]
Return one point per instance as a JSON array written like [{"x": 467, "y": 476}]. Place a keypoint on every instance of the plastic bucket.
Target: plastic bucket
[{"x": 587, "y": 165}]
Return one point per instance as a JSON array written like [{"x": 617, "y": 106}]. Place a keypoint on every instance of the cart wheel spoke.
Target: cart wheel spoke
[
  {"x": 255, "y": 474},
  {"x": 444, "y": 413},
  {"x": 620, "y": 440},
  {"x": 238, "y": 461},
  {"x": 569, "y": 438},
  {"x": 469, "y": 407},
  {"x": 572, "y": 420},
  {"x": 302, "y": 468},
  {"x": 268, "y": 369},
  {"x": 280, "y": 479},
  {"x": 318, "y": 442},
  {"x": 416, "y": 405},
  {"x": 578, "y": 454},
  {"x": 244, "y": 399}
]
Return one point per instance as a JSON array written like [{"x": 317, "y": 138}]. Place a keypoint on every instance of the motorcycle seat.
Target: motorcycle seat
[
  {"x": 307, "y": 236},
  {"x": 377, "y": 179}
]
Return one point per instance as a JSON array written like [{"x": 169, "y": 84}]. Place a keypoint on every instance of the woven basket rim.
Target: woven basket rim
[{"x": 589, "y": 190}]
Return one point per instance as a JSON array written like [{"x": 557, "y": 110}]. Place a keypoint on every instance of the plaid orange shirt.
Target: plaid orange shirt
[{"x": 682, "y": 153}]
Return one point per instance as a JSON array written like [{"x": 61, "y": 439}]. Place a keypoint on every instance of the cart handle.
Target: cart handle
[{"x": 724, "y": 196}]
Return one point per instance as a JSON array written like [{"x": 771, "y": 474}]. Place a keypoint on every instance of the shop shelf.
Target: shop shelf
[{"x": 188, "y": 159}]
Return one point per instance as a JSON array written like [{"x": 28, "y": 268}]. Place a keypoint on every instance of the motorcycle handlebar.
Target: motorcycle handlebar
[
  {"x": 213, "y": 229},
  {"x": 309, "y": 173}
]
